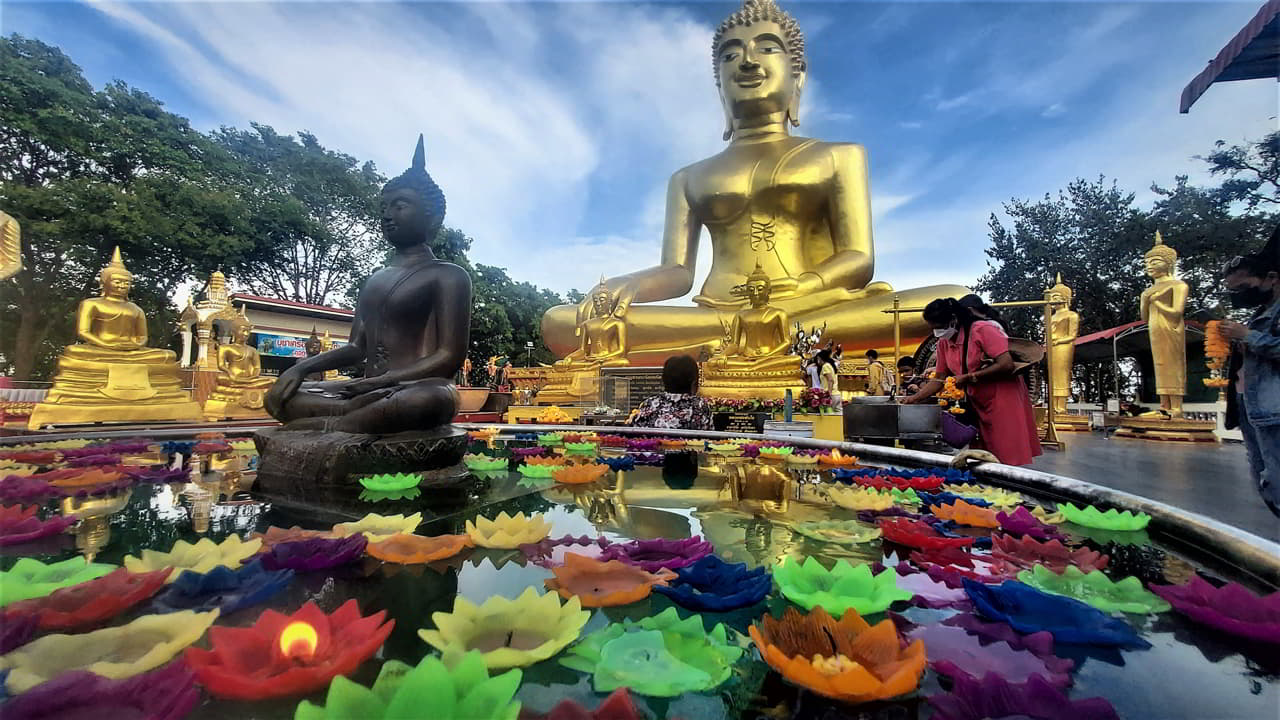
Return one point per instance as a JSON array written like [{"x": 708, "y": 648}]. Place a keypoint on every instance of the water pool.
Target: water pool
[{"x": 764, "y": 513}]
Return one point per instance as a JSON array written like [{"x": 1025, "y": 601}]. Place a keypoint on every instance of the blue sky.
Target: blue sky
[{"x": 553, "y": 127}]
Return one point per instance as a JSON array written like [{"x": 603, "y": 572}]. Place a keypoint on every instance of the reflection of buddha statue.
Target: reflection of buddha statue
[
  {"x": 93, "y": 532},
  {"x": 799, "y": 206},
  {"x": 111, "y": 374},
  {"x": 410, "y": 331},
  {"x": 753, "y": 361},
  {"x": 241, "y": 386},
  {"x": 1066, "y": 326},
  {"x": 1162, "y": 307}
]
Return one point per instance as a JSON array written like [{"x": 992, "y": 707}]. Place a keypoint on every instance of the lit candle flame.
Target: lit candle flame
[
  {"x": 835, "y": 454},
  {"x": 298, "y": 640}
]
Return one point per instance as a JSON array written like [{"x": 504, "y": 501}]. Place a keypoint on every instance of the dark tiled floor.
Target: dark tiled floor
[{"x": 1212, "y": 480}]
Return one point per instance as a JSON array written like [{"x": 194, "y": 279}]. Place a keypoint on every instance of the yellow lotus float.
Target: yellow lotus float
[
  {"x": 114, "y": 652},
  {"x": 509, "y": 633},
  {"x": 201, "y": 557},
  {"x": 507, "y": 532},
  {"x": 377, "y": 528},
  {"x": 852, "y": 498}
]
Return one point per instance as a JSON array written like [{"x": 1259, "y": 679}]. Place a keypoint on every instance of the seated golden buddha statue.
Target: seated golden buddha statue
[
  {"x": 602, "y": 336},
  {"x": 241, "y": 387},
  {"x": 111, "y": 375},
  {"x": 800, "y": 206},
  {"x": 753, "y": 362}
]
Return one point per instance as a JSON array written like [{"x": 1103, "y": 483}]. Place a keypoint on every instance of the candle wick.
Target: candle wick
[{"x": 509, "y": 636}]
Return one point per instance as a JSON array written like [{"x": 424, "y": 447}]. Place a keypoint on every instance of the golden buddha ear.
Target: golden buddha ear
[
  {"x": 793, "y": 106},
  {"x": 728, "y": 120}
]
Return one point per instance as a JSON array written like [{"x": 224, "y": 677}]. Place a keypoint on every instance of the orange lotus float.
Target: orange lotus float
[
  {"x": 406, "y": 549},
  {"x": 847, "y": 660},
  {"x": 967, "y": 514},
  {"x": 548, "y": 460},
  {"x": 603, "y": 584},
  {"x": 580, "y": 474},
  {"x": 90, "y": 477},
  {"x": 278, "y": 535},
  {"x": 836, "y": 459}
]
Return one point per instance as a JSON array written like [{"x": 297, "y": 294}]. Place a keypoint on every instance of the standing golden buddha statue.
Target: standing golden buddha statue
[
  {"x": 111, "y": 375},
  {"x": 753, "y": 362},
  {"x": 241, "y": 387},
  {"x": 798, "y": 207},
  {"x": 10, "y": 246},
  {"x": 1162, "y": 306},
  {"x": 1066, "y": 328}
]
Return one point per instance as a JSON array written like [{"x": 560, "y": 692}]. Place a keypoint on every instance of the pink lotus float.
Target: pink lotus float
[{"x": 1231, "y": 608}]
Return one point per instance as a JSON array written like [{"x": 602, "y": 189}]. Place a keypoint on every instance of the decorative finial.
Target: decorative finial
[
  {"x": 1162, "y": 251},
  {"x": 1058, "y": 280},
  {"x": 420, "y": 155},
  {"x": 115, "y": 267},
  {"x": 1159, "y": 238},
  {"x": 116, "y": 260}
]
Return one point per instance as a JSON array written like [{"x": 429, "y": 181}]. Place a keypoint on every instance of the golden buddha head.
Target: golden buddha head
[
  {"x": 1161, "y": 259},
  {"x": 115, "y": 278},
  {"x": 758, "y": 56},
  {"x": 1059, "y": 293},
  {"x": 312, "y": 346},
  {"x": 757, "y": 288},
  {"x": 241, "y": 328},
  {"x": 412, "y": 204},
  {"x": 601, "y": 299}
]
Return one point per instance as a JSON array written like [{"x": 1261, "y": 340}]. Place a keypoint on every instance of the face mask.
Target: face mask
[
  {"x": 1249, "y": 297},
  {"x": 944, "y": 333}
]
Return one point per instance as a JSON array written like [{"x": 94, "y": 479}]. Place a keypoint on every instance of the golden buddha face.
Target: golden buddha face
[
  {"x": 757, "y": 291},
  {"x": 601, "y": 302},
  {"x": 240, "y": 334},
  {"x": 756, "y": 72},
  {"x": 1156, "y": 266},
  {"x": 116, "y": 284}
]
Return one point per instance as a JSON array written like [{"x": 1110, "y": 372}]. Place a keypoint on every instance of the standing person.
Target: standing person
[
  {"x": 1253, "y": 391},
  {"x": 879, "y": 377},
  {"x": 828, "y": 376},
  {"x": 983, "y": 311},
  {"x": 679, "y": 406},
  {"x": 811, "y": 369},
  {"x": 976, "y": 353}
]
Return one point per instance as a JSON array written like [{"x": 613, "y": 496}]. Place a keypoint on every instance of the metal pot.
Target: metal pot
[{"x": 923, "y": 418}]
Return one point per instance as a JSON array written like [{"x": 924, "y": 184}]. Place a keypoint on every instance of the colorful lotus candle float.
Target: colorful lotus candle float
[
  {"x": 618, "y": 462},
  {"x": 30, "y": 578},
  {"x": 20, "y": 525},
  {"x": 115, "y": 652},
  {"x": 801, "y": 458},
  {"x": 1070, "y": 621},
  {"x": 1231, "y": 608},
  {"x": 729, "y": 449},
  {"x": 660, "y": 656},
  {"x": 550, "y": 461},
  {"x": 76, "y": 480},
  {"x": 527, "y": 452},
  {"x": 650, "y": 458},
  {"x": 860, "y": 498},
  {"x": 617, "y": 706},
  {"x": 579, "y": 474},
  {"x": 836, "y": 459},
  {"x": 552, "y": 439},
  {"x": 1021, "y": 522},
  {"x": 919, "y": 534},
  {"x": 388, "y": 482},
  {"x": 16, "y": 489},
  {"x": 839, "y": 589},
  {"x": 484, "y": 433},
  {"x": 928, "y": 592},
  {"x": 169, "y": 693},
  {"x": 407, "y": 549},
  {"x": 888, "y": 482},
  {"x": 849, "y": 660},
  {"x": 1125, "y": 595},
  {"x": 200, "y": 557},
  {"x": 93, "y": 602},
  {"x": 643, "y": 444},
  {"x": 550, "y": 553},
  {"x": 603, "y": 584},
  {"x": 998, "y": 497},
  {"x": 16, "y": 630},
  {"x": 655, "y": 555},
  {"x": 580, "y": 448},
  {"x": 1091, "y": 517},
  {"x": 276, "y": 535},
  {"x": 955, "y": 652},
  {"x": 1047, "y": 517},
  {"x": 946, "y": 498},
  {"x": 284, "y": 655},
  {"x": 32, "y": 457},
  {"x": 1028, "y": 553},
  {"x": 539, "y": 471},
  {"x": 314, "y": 553},
  {"x": 478, "y": 462},
  {"x": 950, "y": 564},
  {"x": 507, "y": 532},
  {"x": 996, "y": 697},
  {"x": 963, "y": 513},
  {"x": 462, "y": 693},
  {"x": 611, "y": 440},
  {"x": 222, "y": 589},
  {"x": 776, "y": 453},
  {"x": 377, "y": 527},
  {"x": 712, "y": 585},
  {"x": 508, "y": 633},
  {"x": 841, "y": 532}
]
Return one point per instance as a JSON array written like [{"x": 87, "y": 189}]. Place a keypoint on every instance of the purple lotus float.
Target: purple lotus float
[
  {"x": 550, "y": 553},
  {"x": 964, "y": 646},
  {"x": 315, "y": 553},
  {"x": 1231, "y": 608},
  {"x": 1022, "y": 522},
  {"x": 20, "y": 525},
  {"x": 655, "y": 555},
  {"x": 169, "y": 693},
  {"x": 996, "y": 697}
]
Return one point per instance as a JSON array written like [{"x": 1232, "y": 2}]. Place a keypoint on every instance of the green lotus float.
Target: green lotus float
[
  {"x": 549, "y": 439},
  {"x": 537, "y": 471},
  {"x": 401, "y": 691},
  {"x": 386, "y": 495},
  {"x": 580, "y": 448},
  {"x": 660, "y": 656},
  {"x": 777, "y": 451},
  {"x": 391, "y": 482},
  {"x": 30, "y": 578},
  {"x": 480, "y": 462},
  {"x": 841, "y": 532},
  {"x": 840, "y": 588},
  {"x": 1096, "y": 589},
  {"x": 1091, "y": 517},
  {"x": 904, "y": 497}
]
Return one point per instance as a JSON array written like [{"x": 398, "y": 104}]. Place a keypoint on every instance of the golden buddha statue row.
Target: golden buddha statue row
[{"x": 241, "y": 387}]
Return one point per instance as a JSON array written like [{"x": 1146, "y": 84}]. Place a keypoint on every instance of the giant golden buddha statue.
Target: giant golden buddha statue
[
  {"x": 111, "y": 374},
  {"x": 753, "y": 362},
  {"x": 797, "y": 206},
  {"x": 241, "y": 387}
]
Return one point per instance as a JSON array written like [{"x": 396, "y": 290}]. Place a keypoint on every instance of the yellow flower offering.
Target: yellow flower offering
[
  {"x": 377, "y": 528},
  {"x": 507, "y": 532},
  {"x": 553, "y": 415},
  {"x": 201, "y": 557},
  {"x": 509, "y": 633}
]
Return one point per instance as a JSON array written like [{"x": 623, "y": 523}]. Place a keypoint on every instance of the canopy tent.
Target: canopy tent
[
  {"x": 1127, "y": 340},
  {"x": 1252, "y": 54}
]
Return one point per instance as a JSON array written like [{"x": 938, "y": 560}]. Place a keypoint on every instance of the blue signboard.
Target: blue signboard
[{"x": 285, "y": 345}]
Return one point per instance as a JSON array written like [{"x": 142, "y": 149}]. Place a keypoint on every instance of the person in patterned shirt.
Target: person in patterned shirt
[{"x": 679, "y": 407}]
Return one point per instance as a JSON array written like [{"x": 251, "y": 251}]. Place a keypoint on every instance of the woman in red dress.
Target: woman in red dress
[{"x": 976, "y": 352}]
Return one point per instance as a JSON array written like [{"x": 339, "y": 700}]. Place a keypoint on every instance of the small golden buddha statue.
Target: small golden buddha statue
[
  {"x": 1066, "y": 327},
  {"x": 602, "y": 334},
  {"x": 753, "y": 362},
  {"x": 799, "y": 206},
  {"x": 241, "y": 387},
  {"x": 198, "y": 319},
  {"x": 1162, "y": 306},
  {"x": 326, "y": 344},
  {"x": 111, "y": 374},
  {"x": 10, "y": 246}
]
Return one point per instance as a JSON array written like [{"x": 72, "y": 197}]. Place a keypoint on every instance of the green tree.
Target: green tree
[{"x": 1252, "y": 172}]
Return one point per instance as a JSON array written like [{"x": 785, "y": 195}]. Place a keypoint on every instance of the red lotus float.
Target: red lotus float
[
  {"x": 19, "y": 524},
  {"x": 31, "y": 457},
  {"x": 919, "y": 534},
  {"x": 889, "y": 482},
  {"x": 93, "y": 602},
  {"x": 287, "y": 655},
  {"x": 1028, "y": 552}
]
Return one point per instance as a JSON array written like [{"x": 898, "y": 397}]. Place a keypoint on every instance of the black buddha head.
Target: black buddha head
[{"x": 412, "y": 204}]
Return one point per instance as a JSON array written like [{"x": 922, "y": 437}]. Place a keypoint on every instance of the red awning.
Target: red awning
[
  {"x": 1106, "y": 334},
  {"x": 1252, "y": 54}
]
